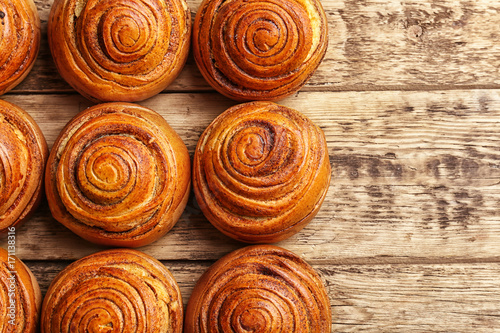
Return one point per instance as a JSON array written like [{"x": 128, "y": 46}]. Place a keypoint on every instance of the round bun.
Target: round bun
[
  {"x": 119, "y": 50},
  {"x": 20, "y": 296},
  {"x": 118, "y": 175},
  {"x": 19, "y": 41},
  {"x": 118, "y": 290},
  {"x": 23, "y": 153},
  {"x": 261, "y": 172},
  {"x": 259, "y": 288},
  {"x": 259, "y": 50}
]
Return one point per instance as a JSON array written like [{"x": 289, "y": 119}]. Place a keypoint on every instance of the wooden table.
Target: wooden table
[{"x": 408, "y": 239}]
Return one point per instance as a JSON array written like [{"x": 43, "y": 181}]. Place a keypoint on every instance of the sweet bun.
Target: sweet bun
[
  {"x": 259, "y": 288},
  {"x": 119, "y": 50},
  {"x": 23, "y": 153},
  {"x": 119, "y": 290},
  {"x": 261, "y": 172},
  {"x": 20, "y": 296},
  {"x": 19, "y": 41},
  {"x": 118, "y": 175},
  {"x": 259, "y": 49}
]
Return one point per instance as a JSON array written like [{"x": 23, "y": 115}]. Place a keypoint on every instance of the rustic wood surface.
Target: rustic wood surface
[{"x": 408, "y": 239}]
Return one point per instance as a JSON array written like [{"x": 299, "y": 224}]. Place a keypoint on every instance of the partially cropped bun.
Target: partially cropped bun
[
  {"x": 118, "y": 175},
  {"x": 261, "y": 172},
  {"x": 113, "y": 291},
  {"x": 20, "y": 296},
  {"x": 259, "y": 288},
  {"x": 119, "y": 50},
  {"x": 19, "y": 41},
  {"x": 259, "y": 49},
  {"x": 23, "y": 154}
]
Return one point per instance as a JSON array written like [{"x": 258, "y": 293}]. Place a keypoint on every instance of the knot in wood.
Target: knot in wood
[{"x": 415, "y": 31}]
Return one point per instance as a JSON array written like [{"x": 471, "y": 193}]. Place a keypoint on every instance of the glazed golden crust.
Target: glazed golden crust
[
  {"x": 19, "y": 291},
  {"x": 23, "y": 153},
  {"x": 118, "y": 175},
  {"x": 19, "y": 41},
  {"x": 117, "y": 290},
  {"x": 261, "y": 172},
  {"x": 259, "y": 49},
  {"x": 119, "y": 50},
  {"x": 259, "y": 288}
]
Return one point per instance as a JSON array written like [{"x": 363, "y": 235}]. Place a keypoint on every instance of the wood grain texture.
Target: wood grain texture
[
  {"x": 416, "y": 178},
  {"x": 379, "y": 298},
  {"x": 373, "y": 45}
]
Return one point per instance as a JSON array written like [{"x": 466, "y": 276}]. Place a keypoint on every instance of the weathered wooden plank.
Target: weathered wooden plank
[
  {"x": 373, "y": 45},
  {"x": 381, "y": 298},
  {"x": 427, "y": 298},
  {"x": 416, "y": 178}
]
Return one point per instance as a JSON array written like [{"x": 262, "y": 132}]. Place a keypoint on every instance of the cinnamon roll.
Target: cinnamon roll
[
  {"x": 113, "y": 291},
  {"x": 259, "y": 49},
  {"x": 261, "y": 172},
  {"x": 19, "y": 41},
  {"x": 119, "y": 50},
  {"x": 20, "y": 297},
  {"x": 118, "y": 175},
  {"x": 260, "y": 288},
  {"x": 23, "y": 153}
]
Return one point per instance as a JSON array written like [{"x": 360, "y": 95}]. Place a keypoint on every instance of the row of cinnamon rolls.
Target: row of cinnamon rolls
[
  {"x": 122, "y": 50},
  {"x": 260, "y": 288},
  {"x": 119, "y": 175}
]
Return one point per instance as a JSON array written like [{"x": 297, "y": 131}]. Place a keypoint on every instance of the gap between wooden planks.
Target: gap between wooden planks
[
  {"x": 373, "y": 45},
  {"x": 416, "y": 178}
]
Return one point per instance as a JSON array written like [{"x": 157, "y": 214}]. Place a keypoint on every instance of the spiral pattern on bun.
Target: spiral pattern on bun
[
  {"x": 23, "y": 153},
  {"x": 20, "y": 296},
  {"x": 259, "y": 49},
  {"x": 113, "y": 291},
  {"x": 260, "y": 288},
  {"x": 119, "y": 50},
  {"x": 261, "y": 172},
  {"x": 118, "y": 175},
  {"x": 19, "y": 41}
]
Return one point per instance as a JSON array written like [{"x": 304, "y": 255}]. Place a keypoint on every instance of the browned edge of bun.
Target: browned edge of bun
[
  {"x": 133, "y": 132},
  {"x": 247, "y": 286}
]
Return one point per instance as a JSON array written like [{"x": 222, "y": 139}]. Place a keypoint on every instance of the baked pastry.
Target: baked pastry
[
  {"x": 19, "y": 295},
  {"x": 259, "y": 288},
  {"x": 119, "y": 50},
  {"x": 19, "y": 41},
  {"x": 23, "y": 153},
  {"x": 259, "y": 49},
  {"x": 118, "y": 175},
  {"x": 117, "y": 290},
  {"x": 261, "y": 172}
]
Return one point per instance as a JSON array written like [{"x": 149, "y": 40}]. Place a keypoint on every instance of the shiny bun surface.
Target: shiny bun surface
[
  {"x": 20, "y": 296},
  {"x": 19, "y": 41},
  {"x": 261, "y": 172},
  {"x": 119, "y": 290},
  {"x": 23, "y": 154},
  {"x": 118, "y": 175},
  {"x": 259, "y": 288},
  {"x": 259, "y": 49},
  {"x": 119, "y": 50}
]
